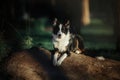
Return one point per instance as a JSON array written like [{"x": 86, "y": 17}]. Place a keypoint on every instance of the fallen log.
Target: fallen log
[{"x": 36, "y": 64}]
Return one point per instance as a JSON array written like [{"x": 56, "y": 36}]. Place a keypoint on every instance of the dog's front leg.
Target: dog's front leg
[
  {"x": 55, "y": 57},
  {"x": 61, "y": 59}
]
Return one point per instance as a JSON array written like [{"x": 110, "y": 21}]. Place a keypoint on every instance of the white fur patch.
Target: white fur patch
[
  {"x": 62, "y": 58},
  {"x": 60, "y": 27},
  {"x": 62, "y": 42},
  {"x": 55, "y": 57},
  {"x": 100, "y": 58},
  {"x": 77, "y": 51}
]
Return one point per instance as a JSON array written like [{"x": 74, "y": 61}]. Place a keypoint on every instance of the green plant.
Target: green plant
[{"x": 27, "y": 42}]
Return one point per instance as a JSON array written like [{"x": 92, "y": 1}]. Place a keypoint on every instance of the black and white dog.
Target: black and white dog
[{"x": 64, "y": 42}]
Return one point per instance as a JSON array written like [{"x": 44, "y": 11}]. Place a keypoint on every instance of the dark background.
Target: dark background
[{"x": 27, "y": 23}]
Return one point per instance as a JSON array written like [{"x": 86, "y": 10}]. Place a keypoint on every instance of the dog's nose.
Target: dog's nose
[{"x": 59, "y": 35}]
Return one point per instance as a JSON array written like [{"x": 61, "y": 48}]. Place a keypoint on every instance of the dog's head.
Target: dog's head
[{"x": 60, "y": 31}]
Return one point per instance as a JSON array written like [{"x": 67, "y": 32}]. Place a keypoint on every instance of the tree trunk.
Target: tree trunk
[
  {"x": 85, "y": 17},
  {"x": 117, "y": 23},
  {"x": 53, "y": 2},
  {"x": 36, "y": 64}
]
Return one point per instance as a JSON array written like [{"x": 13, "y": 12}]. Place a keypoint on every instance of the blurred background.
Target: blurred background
[{"x": 27, "y": 23}]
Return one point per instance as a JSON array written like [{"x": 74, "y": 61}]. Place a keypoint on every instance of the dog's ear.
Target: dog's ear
[
  {"x": 67, "y": 24},
  {"x": 55, "y": 22}
]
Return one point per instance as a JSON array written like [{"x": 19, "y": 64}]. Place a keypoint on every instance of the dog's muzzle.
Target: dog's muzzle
[{"x": 59, "y": 35}]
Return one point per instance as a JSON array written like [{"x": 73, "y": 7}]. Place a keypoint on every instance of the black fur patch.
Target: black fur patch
[{"x": 56, "y": 28}]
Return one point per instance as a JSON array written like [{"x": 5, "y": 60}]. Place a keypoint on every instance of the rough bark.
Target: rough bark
[{"x": 35, "y": 64}]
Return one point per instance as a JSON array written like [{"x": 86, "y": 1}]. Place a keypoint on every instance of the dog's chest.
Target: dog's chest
[{"x": 61, "y": 45}]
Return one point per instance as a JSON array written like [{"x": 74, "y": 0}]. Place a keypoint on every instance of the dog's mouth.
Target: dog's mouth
[{"x": 59, "y": 36}]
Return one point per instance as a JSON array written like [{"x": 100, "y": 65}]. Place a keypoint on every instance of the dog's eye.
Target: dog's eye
[
  {"x": 55, "y": 29},
  {"x": 63, "y": 28}
]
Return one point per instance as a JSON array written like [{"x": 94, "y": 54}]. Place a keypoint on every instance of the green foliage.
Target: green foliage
[
  {"x": 41, "y": 37},
  {"x": 97, "y": 27},
  {"x": 39, "y": 26},
  {"x": 27, "y": 42},
  {"x": 98, "y": 35}
]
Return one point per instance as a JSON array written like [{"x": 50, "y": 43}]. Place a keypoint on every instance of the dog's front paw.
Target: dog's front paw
[
  {"x": 54, "y": 62},
  {"x": 55, "y": 58},
  {"x": 62, "y": 58},
  {"x": 59, "y": 63},
  {"x": 78, "y": 51}
]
